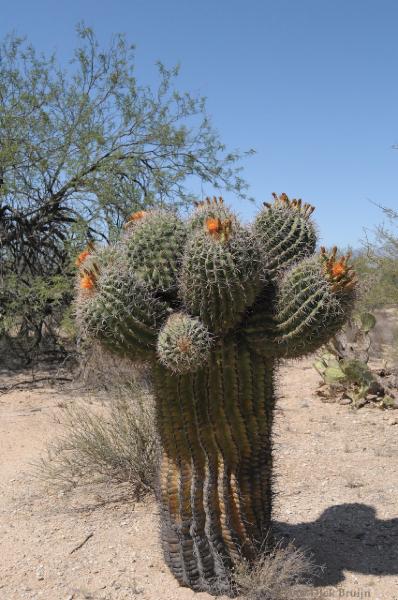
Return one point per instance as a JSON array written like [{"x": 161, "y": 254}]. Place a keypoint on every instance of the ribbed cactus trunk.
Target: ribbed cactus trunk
[{"x": 215, "y": 480}]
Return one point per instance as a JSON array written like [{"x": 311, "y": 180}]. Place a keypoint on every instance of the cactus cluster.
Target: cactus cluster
[{"x": 213, "y": 305}]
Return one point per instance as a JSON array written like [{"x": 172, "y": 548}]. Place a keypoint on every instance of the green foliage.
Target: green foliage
[
  {"x": 344, "y": 367},
  {"x": 377, "y": 266},
  {"x": 345, "y": 372},
  {"x": 212, "y": 305},
  {"x": 368, "y": 322},
  {"x": 31, "y": 308}
]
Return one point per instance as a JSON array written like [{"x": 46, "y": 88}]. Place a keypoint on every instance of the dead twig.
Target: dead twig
[
  {"x": 4, "y": 389},
  {"x": 89, "y": 536}
]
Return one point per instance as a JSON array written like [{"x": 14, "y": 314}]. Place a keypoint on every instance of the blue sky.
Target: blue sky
[{"x": 312, "y": 85}]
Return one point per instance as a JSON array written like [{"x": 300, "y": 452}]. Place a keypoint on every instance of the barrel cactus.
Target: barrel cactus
[{"x": 213, "y": 306}]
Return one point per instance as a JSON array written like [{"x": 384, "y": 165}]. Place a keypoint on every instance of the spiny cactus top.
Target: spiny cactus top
[
  {"x": 212, "y": 305},
  {"x": 170, "y": 290}
]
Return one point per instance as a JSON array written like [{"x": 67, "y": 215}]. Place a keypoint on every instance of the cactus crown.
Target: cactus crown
[
  {"x": 283, "y": 201},
  {"x": 220, "y": 230},
  {"x": 217, "y": 276},
  {"x": 338, "y": 271}
]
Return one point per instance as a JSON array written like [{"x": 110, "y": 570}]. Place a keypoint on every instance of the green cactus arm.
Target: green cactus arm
[
  {"x": 311, "y": 303},
  {"x": 220, "y": 273},
  {"x": 154, "y": 242},
  {"x": 116, "y": 308},
  {"x": 285, "y": 232}
]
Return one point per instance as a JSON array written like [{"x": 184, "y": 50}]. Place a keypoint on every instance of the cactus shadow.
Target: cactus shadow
[{"x": 347, "y": 537}]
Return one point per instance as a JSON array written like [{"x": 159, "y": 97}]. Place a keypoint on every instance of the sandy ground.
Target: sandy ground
[{"x": 337, "y": 483}]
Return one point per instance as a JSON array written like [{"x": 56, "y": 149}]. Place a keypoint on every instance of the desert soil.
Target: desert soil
[{"x": 337, "y": 490}]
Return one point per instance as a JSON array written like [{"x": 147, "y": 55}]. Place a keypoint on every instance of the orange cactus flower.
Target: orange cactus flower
[
  {"x": 87, "y": 282},
  {"x": 134, "y": 218},
  {"x": 184, "y": 344},
  {"x": 213, "y": 225},
  {"x": 82, "y": 257},
  {"x": 338, "y": 272},
  {"x": 338, "y": 269},
  {"x": 137, "y": 215}
]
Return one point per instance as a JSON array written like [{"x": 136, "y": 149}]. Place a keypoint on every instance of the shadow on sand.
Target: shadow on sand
[{"x": 347, "y": 537}]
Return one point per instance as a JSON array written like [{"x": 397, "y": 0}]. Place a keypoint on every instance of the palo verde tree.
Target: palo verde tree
[
  {"x": 213, "y": 305},
  {"x": 80, "y": 146}
]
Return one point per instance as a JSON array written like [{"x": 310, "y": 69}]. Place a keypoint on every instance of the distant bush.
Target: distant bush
[{"x": 377, "y": 266}]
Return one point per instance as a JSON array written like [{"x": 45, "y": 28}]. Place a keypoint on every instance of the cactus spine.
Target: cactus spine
[{"x": 213, "y": 306}]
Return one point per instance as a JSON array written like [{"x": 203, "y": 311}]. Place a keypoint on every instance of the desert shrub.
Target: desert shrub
[
  {"x": 117, "y": 443},
  {"x": 377, "y": 266},
  {"x": 347, "y": 376},
  {"x": 379, "y": 280},
  {"x": 281, "y": 573},
  {"x": 108, "y": 375},
  {"x": 33, "y": 311}
]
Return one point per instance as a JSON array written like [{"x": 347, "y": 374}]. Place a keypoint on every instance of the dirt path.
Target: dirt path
[{"x": 337, "y": 482}]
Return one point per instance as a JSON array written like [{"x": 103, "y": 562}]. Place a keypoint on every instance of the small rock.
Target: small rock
[
  {"x": 40, "y": 573},
  {"x": 360, "y": 403},
  {"x": 392, "y": 402},
  {"x": 393, "y": 422},
  {"x": 375, "y": 388},
  {"x": 345, "y": 401}
]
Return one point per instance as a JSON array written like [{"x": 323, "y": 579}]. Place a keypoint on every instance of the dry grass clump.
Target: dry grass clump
[
  {"x": 117, "y": 443},
  {"x": 282, "y": 572},
  {"x": 106, "y": 374}
]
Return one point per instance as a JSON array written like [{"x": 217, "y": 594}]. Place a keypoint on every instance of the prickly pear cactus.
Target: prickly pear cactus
[{"x": 213, "y": 306}]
